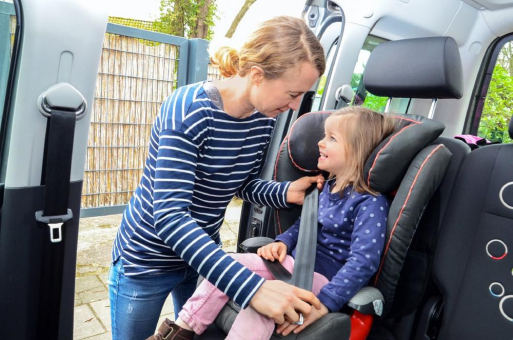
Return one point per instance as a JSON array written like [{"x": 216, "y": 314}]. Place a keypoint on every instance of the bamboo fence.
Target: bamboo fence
[{"x": 134, "y": 78}]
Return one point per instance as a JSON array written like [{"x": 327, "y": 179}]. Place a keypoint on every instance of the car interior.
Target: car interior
[{"x": 445, "y": 272}]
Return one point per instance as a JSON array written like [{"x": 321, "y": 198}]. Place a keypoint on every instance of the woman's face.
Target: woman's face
[{"x": 273, "y": 96}]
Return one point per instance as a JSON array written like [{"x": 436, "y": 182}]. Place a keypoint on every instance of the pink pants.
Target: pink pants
[{"x": 206, "y": 303}]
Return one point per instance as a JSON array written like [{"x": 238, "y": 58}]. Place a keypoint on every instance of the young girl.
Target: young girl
[{"x": 352, "y": 221}]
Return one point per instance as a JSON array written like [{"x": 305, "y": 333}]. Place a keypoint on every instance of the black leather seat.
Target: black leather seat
[{"x": 473, "y": 263}]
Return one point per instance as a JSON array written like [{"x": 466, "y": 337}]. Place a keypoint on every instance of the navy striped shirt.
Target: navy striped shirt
[{"x": 199, "y": 158}]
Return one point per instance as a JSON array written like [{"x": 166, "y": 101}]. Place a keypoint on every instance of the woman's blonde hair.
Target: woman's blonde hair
[
  {"x": 277, "y": 45},
  {"x": 362, "y": 130}
]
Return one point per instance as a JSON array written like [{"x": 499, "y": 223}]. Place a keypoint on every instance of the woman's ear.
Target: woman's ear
[{"x": 256, "y": 75}]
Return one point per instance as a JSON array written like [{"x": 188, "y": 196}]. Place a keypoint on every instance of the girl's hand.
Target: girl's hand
[
  {"x": 296, "y": 191},
  {"x": 273, "y": 251},
  {"x": 287, "y": 327}
]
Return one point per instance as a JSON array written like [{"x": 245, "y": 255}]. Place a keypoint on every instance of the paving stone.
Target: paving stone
[
  {"x": 95, "y": 294},
  {"x": 86, "y": 283},
  {"x": 104, "y": 336},
  {"x": 85, "y": 323},
  {"x": 102, "y": 310}
]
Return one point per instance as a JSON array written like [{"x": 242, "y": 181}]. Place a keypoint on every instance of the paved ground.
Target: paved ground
[{"x": 92, "y": 307}]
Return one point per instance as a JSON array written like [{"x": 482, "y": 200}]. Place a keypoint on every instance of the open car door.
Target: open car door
[{"x": 49, "y": 56}]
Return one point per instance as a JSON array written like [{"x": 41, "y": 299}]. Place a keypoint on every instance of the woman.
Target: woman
[{"x": 207, "y": 144}]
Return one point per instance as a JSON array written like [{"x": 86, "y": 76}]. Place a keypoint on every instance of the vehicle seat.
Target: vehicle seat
[
  {"x": 473, "y": 265},
  {"x": 403, "y": 154},
  {"x": 418, "y": 68}
]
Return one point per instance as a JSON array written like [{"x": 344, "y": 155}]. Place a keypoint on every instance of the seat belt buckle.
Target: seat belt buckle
[{"x": 55, "y": 223}]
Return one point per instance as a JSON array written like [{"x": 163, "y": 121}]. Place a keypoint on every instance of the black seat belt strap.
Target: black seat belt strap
[
  {"x": 304, "y": 262},
  {"x": 57, "y": 171}
]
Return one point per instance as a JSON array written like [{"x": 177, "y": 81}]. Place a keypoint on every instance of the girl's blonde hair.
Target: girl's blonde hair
[
  {"x": 362, "y": 130},
  {"x": 276, "y": 46}
]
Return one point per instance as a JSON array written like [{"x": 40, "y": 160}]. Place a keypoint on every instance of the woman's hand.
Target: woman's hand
[
  {"x": 273, "y": 251},
  {"x": 287, "y": 327},
  {"x": 296, "y": 191},
  {"x": 279, "y": 300}
]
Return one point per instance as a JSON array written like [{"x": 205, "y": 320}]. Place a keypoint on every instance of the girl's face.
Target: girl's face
[
  {"x": 273, "y": 96},
  {"x": 333, "y": 148}
]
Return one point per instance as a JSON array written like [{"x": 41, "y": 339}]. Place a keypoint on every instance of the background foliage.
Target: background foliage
[
  {"x": 187, "y": 18},
  {"x": 498, "y": 108}
]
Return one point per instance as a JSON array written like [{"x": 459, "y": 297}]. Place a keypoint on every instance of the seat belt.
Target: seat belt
[
  {"x": 304, "y": 261},
  {"x": 56, "y": 179}
]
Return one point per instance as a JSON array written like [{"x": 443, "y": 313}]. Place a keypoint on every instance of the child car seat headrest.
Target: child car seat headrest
[
  {"x": 415, "y": 68},
  {"x": 387, "y": 164}
]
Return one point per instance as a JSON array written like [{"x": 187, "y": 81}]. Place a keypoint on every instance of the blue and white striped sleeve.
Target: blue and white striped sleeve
[
  {"x": 174, "y": 184},
  {"x": 268, "y": 193}
]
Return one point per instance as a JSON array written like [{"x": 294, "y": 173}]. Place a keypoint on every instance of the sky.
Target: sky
[{"x": 260, "y": 11}]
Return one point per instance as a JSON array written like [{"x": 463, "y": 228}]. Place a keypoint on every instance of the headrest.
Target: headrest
[
  {"x": 386, "y": 165},
  {"x": 415, "y": 68}
]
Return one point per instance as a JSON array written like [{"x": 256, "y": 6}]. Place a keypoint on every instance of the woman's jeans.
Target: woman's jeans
[{"x": 136, "y": 301}]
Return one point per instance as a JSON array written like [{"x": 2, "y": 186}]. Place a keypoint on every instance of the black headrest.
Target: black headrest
[
  {"x": 415, "y": 68},
  {"x": 387, "y": 164}
]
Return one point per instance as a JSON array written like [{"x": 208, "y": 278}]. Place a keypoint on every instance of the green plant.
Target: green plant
[{"x": 498, "y": 107}]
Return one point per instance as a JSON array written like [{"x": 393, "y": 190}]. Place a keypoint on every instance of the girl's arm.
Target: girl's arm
[
  {"x": 290, "y": 236},
  {"x": 367, "y": 241}
]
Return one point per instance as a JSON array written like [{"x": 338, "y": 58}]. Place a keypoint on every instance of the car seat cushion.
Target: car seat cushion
[
  {"x": 422, "y": 179},
  {"x": 388, "y": 163}
]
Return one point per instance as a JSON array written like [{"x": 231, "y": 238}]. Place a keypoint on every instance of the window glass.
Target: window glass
[
  {"x": 362, "y": 97},
  {"x": 322, "y": 81},
  {"x": 498, "y": 104},
  {"x": 7, "y": 29}
]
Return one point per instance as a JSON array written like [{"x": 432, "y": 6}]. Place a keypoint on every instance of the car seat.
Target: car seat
[
  {"x": 473, "y": 266},
  {"x": 443, "y": 90},
  {"x": 425, "y": 68},
  {"x": 385, "y": 169}
]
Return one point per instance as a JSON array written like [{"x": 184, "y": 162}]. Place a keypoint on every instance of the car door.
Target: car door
[{"x": 49, "y": 52}]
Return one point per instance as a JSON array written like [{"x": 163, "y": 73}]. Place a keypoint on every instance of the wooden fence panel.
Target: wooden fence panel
[{"x": 134, "y": 78}]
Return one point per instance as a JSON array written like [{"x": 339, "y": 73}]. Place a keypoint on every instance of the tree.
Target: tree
[
  {"x": 498, "y": 107},
  {"x": 506, "y": 57},
  {"x": 238, "y": 17},
  {"x": 187, "y": 18}
]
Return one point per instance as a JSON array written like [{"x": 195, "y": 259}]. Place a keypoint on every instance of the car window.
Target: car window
[
  {"x": 322, "y": 81},
  {"x": 497, "y": 109},
  {"x": 7, "y": 31},
  {"x": 362, "y": 97}
]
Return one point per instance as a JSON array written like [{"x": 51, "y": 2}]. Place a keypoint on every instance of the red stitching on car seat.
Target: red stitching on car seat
[
  {"x": 290, "y": 134},
  {"x": 407, "y": 119},
  {"x": 380, "y": 151},
  {"x": 402, "y": 209}
]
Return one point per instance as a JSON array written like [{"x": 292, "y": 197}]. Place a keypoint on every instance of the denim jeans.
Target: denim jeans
[{"x": 136, "y": 301}]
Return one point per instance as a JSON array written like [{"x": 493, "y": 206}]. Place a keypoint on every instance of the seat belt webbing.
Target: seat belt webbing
[
  {"x": 304, "y": 262},
  {"x": 57, "y": 172}
]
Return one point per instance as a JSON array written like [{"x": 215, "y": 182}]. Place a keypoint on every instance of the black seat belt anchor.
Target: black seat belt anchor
[{"x": 55, "y": 223}]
